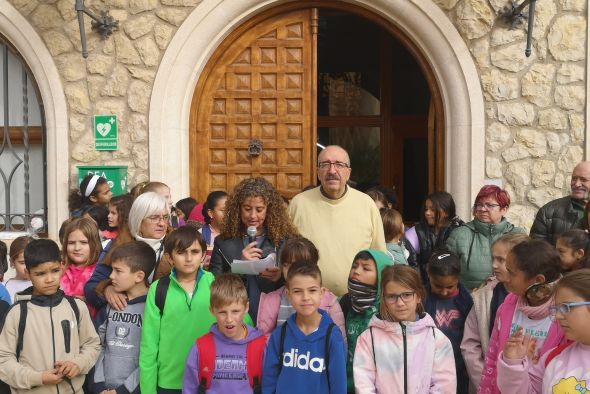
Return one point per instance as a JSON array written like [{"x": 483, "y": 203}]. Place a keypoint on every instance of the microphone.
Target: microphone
[{"x": 251, "y": 234}]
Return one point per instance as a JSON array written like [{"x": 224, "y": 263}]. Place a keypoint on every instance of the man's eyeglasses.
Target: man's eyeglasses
[
  {"x": 565, "y": 308},
  {"x": 338, "y": 165},
  {"x": 485, "y": 205},
  {"x": 405, "y": 297},
  {"x": 157, "y": 218}
]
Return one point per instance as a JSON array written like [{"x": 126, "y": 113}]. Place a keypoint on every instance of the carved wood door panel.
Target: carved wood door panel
[{"x": 259, "y": 85}]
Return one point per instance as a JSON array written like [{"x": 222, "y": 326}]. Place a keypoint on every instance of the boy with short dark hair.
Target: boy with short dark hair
[
  {"x": 48, "y": 339},
  {"x": 306, "y": 354},
  {"x": 117, "y": 368},
  {"x": 176, "y": 313},
  {"x": 229, "y": 359}
]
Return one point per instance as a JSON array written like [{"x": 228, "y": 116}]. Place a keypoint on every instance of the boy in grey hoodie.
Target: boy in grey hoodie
[{"x": 117, "y": 368}]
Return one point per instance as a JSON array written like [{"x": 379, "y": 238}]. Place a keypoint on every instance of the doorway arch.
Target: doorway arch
[
  {"x": 421, "y": 21},
  {"x": 34, "y": 51}
]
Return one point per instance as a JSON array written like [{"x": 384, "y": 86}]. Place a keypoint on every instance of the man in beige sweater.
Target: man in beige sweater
[{"x": 338, "y": 219}]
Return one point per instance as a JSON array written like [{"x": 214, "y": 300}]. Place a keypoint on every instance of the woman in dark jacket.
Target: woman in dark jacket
[
  {"x": 438, "y": 220},
  {"x": 254, "y": 203}
]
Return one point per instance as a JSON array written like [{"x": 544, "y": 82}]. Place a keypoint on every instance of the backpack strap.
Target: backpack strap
[
  {"x": 556, "y": 352},
  {"x": 74, "y": 306},
  {"x": 327, "y": 353},
  {"x": 22, "y": 322},
  {"x": 207, "y": 356},
  {"x": 282, "y": 345},
  {"x": 161, "y": 291},
  {"x": 255, "y": 363}
]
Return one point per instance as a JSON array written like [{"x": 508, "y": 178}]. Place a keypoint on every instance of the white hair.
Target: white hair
[{"x": 146, "y": 204}]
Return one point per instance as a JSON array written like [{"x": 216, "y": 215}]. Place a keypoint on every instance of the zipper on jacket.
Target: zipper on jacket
[{"x": 405, "y": 358}]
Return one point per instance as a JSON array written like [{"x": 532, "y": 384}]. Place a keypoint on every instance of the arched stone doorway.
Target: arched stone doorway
[{"x": 422, "y": 22}]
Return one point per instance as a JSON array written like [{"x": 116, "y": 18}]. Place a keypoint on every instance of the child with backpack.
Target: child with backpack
[
  {"x": 176, "y": 313},
  {"x": 565, "y": 368},
  {"x": 275, "y": 307},
  {"x": 306, "y": 354},
  {"x": 362, "y": 301},
  {"x": 403, "y": 351},
  {"x": 533, "y": 271},
  {"x": 448, "y": 302},
  {"x": 117, "y": 368},
  {"x": 229, "y": 359},
  {"x": 48, "y": 342}
]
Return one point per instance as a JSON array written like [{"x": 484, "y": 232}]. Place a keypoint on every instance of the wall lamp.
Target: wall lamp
[
  {"x": 105, "y": 24},
  {"x": 514, "y": 17}
]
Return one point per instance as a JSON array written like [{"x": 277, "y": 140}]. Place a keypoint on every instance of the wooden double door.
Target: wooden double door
[{"x": 255, "y": 108}]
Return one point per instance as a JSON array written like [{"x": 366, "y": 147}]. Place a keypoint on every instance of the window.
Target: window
[{"x": 23, "y": 199}]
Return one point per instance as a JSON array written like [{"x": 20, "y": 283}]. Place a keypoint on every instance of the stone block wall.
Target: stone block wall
[
  {"x": 535, "y": 107},
  {"x": 118, "y": 75},
  {"x": 535, "y": 126}
]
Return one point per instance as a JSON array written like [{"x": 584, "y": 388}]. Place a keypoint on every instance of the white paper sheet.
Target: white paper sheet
[{"x": 253, "y": 267}]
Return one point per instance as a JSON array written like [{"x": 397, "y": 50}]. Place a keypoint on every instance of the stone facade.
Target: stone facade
[
  {"x": 116, "y": 78},
  {"x": 534, "y": 106}
]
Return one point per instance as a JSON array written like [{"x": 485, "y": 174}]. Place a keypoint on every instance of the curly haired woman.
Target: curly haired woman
[{"x": 253, "y": 203}]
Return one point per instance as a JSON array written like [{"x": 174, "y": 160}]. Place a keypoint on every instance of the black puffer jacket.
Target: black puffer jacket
[{"x": 556, "y": 217}]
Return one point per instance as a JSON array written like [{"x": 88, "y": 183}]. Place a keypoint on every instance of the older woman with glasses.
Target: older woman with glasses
[
  {"x": 148, "y": 222},
  {"x": 472, "y": 242}
]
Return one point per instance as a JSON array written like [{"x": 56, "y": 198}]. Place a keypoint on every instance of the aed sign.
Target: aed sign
[{"x": 106, "y": 131}]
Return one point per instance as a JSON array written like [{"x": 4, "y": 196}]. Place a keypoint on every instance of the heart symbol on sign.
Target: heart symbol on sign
[{"x": 103, "y": 128}]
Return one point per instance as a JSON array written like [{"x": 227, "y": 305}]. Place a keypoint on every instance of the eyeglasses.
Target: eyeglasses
[
  {"x": 338, "y": 165},
  {"x": 565, "y": 308},
  {"x": 157, "y": 218},
  {"x": 405, "y": 297},
  {"x": 485, "y": 205}
]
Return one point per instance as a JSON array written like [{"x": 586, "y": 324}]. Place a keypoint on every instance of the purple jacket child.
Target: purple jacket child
[{"x": 230, "y": 374}]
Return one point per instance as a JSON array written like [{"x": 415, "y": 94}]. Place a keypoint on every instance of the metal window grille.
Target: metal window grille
[{"x": 23, "y": 181}]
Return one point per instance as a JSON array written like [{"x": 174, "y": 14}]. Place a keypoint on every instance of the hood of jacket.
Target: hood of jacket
[
  {"x": 489, "y": 229},
  {"x": 382, "y": 260},
  {"x": 253, "y": 333},
  {"x": 412, "y": 327},
  {"x": 318, "y": 335},
  {"x": 41, "y": 300}
]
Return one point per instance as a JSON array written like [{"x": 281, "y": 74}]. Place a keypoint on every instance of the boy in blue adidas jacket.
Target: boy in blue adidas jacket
[
  {"x": 229, "y": 358},
  {"x": 307, "y": 354}
]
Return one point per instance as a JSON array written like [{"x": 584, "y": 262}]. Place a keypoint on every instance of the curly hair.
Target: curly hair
[{"x": 277, "y": 223}]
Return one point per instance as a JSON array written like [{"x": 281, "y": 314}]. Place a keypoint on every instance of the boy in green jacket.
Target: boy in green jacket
[{"x": 176, "y": 314}]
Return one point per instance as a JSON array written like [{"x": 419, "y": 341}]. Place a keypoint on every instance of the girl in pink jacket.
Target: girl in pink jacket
[
  {"x": 486, "y": 301},
  {"x": 533, "y": 271},
  {"x": 403, "y": 351},
  {"x": 275, "y": 308},
  {"x": 80, "y": 254},
  {"x": 564, "y": 369}
]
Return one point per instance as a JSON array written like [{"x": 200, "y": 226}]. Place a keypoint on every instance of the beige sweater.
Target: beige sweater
[
  {"x": 24, "y": 375},
  {"x": 339, "y": 229}
]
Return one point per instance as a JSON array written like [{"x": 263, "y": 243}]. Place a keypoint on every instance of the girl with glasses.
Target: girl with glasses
[
  {"x": 362, "y": 301},
  {"x": 533, "y": 272},
  {"x": 403, "y": 351},
  {"x": 565, "y": 368},
  {"x": 472, "y": 241}
]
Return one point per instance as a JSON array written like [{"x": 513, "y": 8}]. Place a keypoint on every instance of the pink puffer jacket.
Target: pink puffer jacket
[{"x": 268, "y": 310}]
